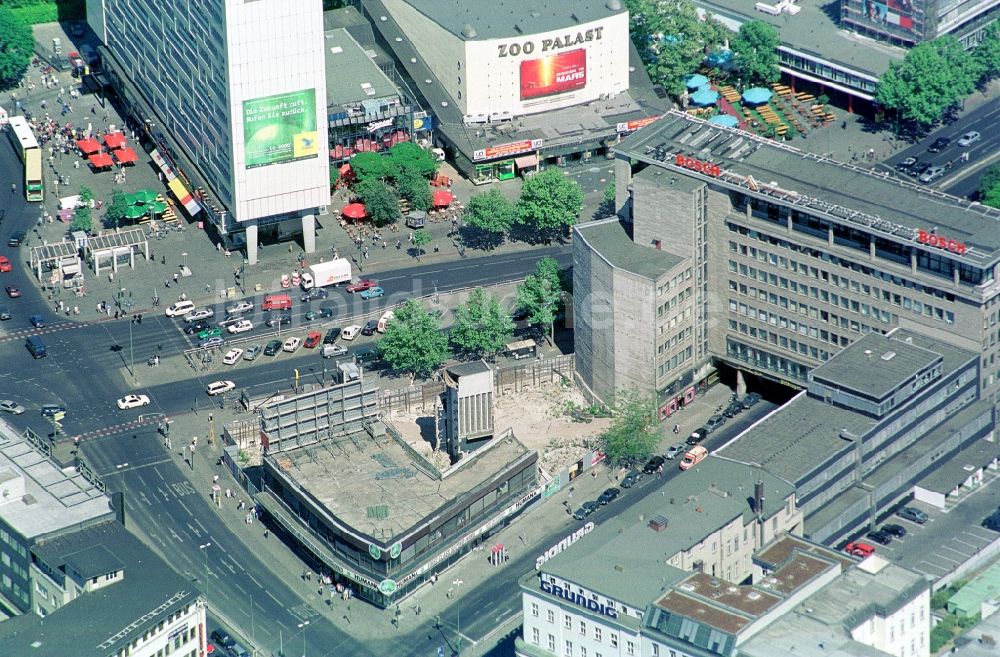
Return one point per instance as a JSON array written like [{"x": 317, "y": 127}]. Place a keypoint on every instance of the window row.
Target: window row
[
  {"x": 675, "y": 361},
  {"x": 670, "y": 304},
  {"x": 779, "y": 340},
  {"x": 674, "y": 282}
]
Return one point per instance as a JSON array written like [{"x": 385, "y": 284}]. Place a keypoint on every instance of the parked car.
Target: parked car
[
  {"x": 361, "y": 285},
  {"x": 939, "y": 145},
  {"x": 197, "y": 327},
  {"x": 313, "y": 339},
  {"x": 931, "y": 174},
  {"x": 585, "y": 510},
  {"x": 5, "y": 265},
  {"x": 199, "y": 313},
  {"x": 252, "y": 352},
  {"x": 631, "y": 479},
  {"x": 609, "y": 495},
  {"x": 326, "y": 311},
  {"x": 231, "y": 320},
  {"x": 314, "y": 293},
  {"x": 969, "y": 138},
  {"x": 50, "y": 410},
  {"x": 239, "y": 307},
  {"x": 291, "y": 344},
  {"x": 674, "y": 451},
  {"x": 219, "y": 387},
  {"x": 373, "y": 293},
  {"x": 880, "y": 537},
  {"x": 272, "y": 348},
  {"x": 750, "y": 400},
  {"x": 16, "y": 238},
  {"x": 4, "y": 313},
  {"x": 232, "y": 356},
  {"x": 351, "y": 332},
  {"x": 133, "y": 401},
  {"x": 278, "y": 319},
  {"x": 214, "y": 341},
  {"x": 210, "y": 333},
  {"x": 370, "y": 326},
  {"x": 859, "y": 549},
  {"x": 331, "y": 335},
  {"x": 918, "y": 169},
  {"x": 222, "y": 638},
  {"x": 895, "y": 530},
  {"x": 912, "y": 514},
  {"x": 653, "y": 464},
  {"x": 366, "y": 355},
  {"x": 735, "y": 408},
  {"x": 697, "y": 436},
  {"x": 714, "y": 423},
  {"x": 332, "y": 351},
  {"x": 992, "y": 521},
  {"x": 905, "y": 165},
  {"x": 11, "y": 406}
]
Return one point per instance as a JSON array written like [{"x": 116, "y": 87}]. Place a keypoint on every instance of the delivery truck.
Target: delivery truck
[{"x": 322, "y": 274}]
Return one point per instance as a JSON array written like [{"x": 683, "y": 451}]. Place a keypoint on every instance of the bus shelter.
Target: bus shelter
[
  {"x": 60, "y": 260},
  {"x": 112, "y": 249}
]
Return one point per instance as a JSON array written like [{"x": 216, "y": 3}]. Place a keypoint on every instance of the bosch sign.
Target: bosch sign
[
  {"x": 706, "y": 168},
  {"x": 941, "y": 242},
  {"x": 578, "y": 599}
]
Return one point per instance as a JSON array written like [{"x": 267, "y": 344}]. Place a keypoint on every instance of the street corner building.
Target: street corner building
[{"x": 346, "y": 489}]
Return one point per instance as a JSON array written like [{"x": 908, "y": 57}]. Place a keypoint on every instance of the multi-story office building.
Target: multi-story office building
[
  {"x": 909, "y": 22},
  {"x": 793, "y": 257},
  {"x": 233, "y": 96}
]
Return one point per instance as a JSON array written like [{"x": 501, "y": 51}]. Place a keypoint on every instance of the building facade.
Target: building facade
[
  {"x": 233, "y": 97},
  {"x": 909, "y": 22}
]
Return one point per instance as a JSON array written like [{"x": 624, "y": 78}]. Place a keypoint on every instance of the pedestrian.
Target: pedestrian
[
  {"x": 166, "y": 282},
  {"x": 13, "y": 188},
  {"x": 267, "y": 532},
  {"x": 383, "y": 244},
  {"x": 677, "y": 428},
  {"x": 437, "y": 248},
  {"x": 399, "y": 244},
  {"x": 365, "y": 253},
  {"x": 215, "y": 479},
  {"x": 176, "y": 277}
]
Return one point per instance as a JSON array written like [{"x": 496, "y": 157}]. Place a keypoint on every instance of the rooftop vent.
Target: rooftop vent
[
  {"x": 753, "y": 595},
  {"x": 469, "y": 32},
  {"x": 868, "y": 353},
  {"x": 658, "y": 523},
  {"x": 889, "y": 355},
  {"x": 715, "y": 583},
  {"x": 613, "y": 5}
]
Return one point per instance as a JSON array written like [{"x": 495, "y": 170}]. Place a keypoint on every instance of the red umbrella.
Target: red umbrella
[
  {"x": 126, "y": 156},
  {"x": 101, "y": 160},
  {"x": 443, "y": 198},
  {"x": 345, "y": 169},
  {"x": 114, "y": 140},
  {"x": 354, "y": 211},
  {"x": 88, "y": 145}
]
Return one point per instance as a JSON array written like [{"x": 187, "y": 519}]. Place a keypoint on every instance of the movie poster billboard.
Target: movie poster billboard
[
  {"x": 280, "y": 128},
  {"x": 891, "y": 13},
  {"x": 553, "y": 75}
]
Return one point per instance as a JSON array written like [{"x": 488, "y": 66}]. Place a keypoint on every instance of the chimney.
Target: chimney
[{"x": 758, "y": 497}]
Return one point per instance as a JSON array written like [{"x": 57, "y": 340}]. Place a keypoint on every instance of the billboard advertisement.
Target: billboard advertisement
[
  {"x": 280, "y": 128},
  {"x": 553, "y": 75}
]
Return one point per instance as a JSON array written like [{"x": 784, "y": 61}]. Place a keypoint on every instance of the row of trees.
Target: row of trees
[
  {"x": 549, "y": 205},
  {"x": 16, "y": 48},
  {"x": 935, "y": 77}
]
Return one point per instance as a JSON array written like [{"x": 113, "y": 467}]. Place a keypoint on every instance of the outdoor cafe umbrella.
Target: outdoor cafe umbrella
[
  {"x": 88, "y": 145},
  {"x": 100, "y": 160},
  {"x": 144, "y": 195},
  {"x": 114, "y": 140},
  {"x": 135, "y": 211},
  {"x": 695, "y": 81},
  {"x": 126, "y": 156},
  {"x": 727, "y": 120},
  {"x": 354, "y": 211},
  {"x": 705, "y": 96},
  {"x": 130, "y": 199},
  {"x": 442, "y": 198},
  {"x": 757, "y": 96},
  {"x": 157, "y": 207}
]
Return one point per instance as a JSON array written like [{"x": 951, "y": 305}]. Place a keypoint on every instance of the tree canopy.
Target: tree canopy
[
  {"x": 540, "y": 294},
  {"x": 989, "y": 187},
  {"x": 16, "y": 48},
  {"x": 986, "y": 55},
  {"x": 489, "y": 216},
  {"x": 413, "y": 342},
  {"x": 633, "y": 434},
  {"x": 380, "y": 201},
  {"x": 373, "y": 166},
  {"x": 755, "y": 50},
  {"x": 549, "y": 203},
  {"x": 415, "y": 189},
  {"x": 481, "y": 327},
  {"x": 414, "y": 160},
  {"x": 115, "y": 211}
]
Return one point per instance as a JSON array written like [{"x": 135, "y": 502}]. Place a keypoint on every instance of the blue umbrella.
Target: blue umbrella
[
  {"x": 757, "y": 96},
  {"x": 705, "y": 97},
  {"x": 695, "y": 81},
  {"x": 719, "y": 57},
  {"x": 727, "y": 120}
]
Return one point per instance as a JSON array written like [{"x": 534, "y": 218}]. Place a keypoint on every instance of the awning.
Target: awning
[
  {"x": 526, "y": 161},
  {"x": 114, "y": 140},
  {"x": 184, "y": 196},
  {"x": 162, "y": 164}
]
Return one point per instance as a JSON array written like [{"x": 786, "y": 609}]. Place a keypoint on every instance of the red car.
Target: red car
[
  {"x": 313, "y": 339},
  {"x": 13, "y": 292},
  {"x": 5, "y": 264},
  {"x": 859, "y": 549},
  {"x": 361, "y": 285}
]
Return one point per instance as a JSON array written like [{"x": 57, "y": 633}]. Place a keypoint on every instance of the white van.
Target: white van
[
  {"x": 350, "y": 332},
  {"x": 384, "y": 320},
  {"x": 179, "y": 308}
]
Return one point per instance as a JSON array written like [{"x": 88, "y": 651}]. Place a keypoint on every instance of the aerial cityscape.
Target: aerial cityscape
[{"x": 603, "y": 328}]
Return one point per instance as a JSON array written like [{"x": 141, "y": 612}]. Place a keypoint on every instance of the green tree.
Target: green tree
[
  {"x": 411, "y": 159},
  {"x": 932, "y": 79},
  {"x": 115, "y": 212},
  {"x": 987, "y": 53},
  {"x": 420, "y": 239},
  {"x": 989, "y": 187},
  {"x": 540, "y": 294},
  {"x": 415, "y": 189},
  {"x": 83, "y": 219},
  {"x": 17, "y": 46},
  {"x": 755, "y": 53},
  {"x": 380, "y": 201},
  {"x": 334, "y": 175},
  {"x": 488, "y": 217},
  {"x": 550, "y": 203},
  {"x": 373, "y": 166},
  {"x": 633, "y": 434},
  {"x": 413, "y": 342},
  {"x": 481, "y": 327}
]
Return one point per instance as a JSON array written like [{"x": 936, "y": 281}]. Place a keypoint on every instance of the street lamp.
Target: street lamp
[
  {"x": 121, "y": 470},
  {"x": 458, "y": 610},
  {"x": 302, "y": 626},
  {"x": 204, "y": 549}
]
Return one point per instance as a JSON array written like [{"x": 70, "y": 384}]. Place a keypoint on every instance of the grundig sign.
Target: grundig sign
[
  {"x": 563, "y": 544},
  {"x": 578, "y": 599},
  {"x": 941, "y": 242},
  {"x": 706, "y": 168},
  {"x": 565, "y": 41}
]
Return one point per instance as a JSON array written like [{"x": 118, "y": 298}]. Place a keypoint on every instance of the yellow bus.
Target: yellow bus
[{"x": 27, "y": 149}]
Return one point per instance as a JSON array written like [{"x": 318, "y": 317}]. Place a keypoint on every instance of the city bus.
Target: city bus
[{"x": 27, "y": 149}]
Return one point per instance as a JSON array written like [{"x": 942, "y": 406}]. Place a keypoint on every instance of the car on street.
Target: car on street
[
  {"x": 232, "y": 356},
  {"x": 361, "y": 285},
  {"x": 609, "y": 495},
  {"x": 16, "y": 238},
  {"x": 373, "y": 293},
  {"x": 11, "y": 406},
  {"x": 310, "y": 316},
  {"x": 859, "y": 549},
  {"x": 674, "y": 451},
  {"x": 230, "y": 320},
  {"x": 221, "y": 638},
  {"x": 697, "y": 436},
  {"x": 653, "y": 464},
  {"x": 880, "y": 537},
  {"x": 918, "y": 169},
  {"x": 13, "y": 291},
  {"x": 905, "y": 165},
  {"x": 313, "y": 339},
  {"x": 291, "y": 344},
  {"x": 219, "y": 387},
  {"x": 197, "y": 327},
  {"x": 239, "y": 307},
  {"x": 370, "y": 327},
  {"x": 5, "y": 265},
  {"x": 279, "y": 319},
  {"x": 714, "y": 422},
  {"x": 631, "y": 479},
  {"x": 894, "y": 530},
  {"x": 350, "y": 332},
  {"x": 912, "y": 514},
  {"x": 4, "y": 313},
  {"x": 214, "y": 341},
  {"x": 331, "y": 335},
  {"x": 133, "y": 401},
  {"x": 209, "y": 333},
  {"x": 735, "y": 408},
  {"x": 931, "y": 174},
  {"x": 750, "y": 400},
  {"x": 252, "y": 352},
  {"x": 313, "y": 294},
  {"x": 585, "y": 510},
  {"x": 272, "y": 348},
  {"x": 326, "y": 311},
  {"x": 241, "y": 326},
  {"x": 50, "y": 410},
  {"x": 199, "y": 313},
  {"x": 37, "y": 321},
  {"x": 939, "y": 145},
  {"x": 969, "y": 138},
  {"x": 366, "y": 356}
]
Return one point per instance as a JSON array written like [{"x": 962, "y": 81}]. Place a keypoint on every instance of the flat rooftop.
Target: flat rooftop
[
  {"x": 53, "y": 499},
  {"x": 775, "y": 556},
  {"x": 509, "y": 19},
  {"x": 843, "y": 193},
  {"x": 626, "y": 560},
  {"x": 351, "y": 475},
  {"x": 946, "y": 476},
  {"x": 351, "y": 75},
  {"x": 609, "y": 239},
  {"x": 875, "y": 364}
]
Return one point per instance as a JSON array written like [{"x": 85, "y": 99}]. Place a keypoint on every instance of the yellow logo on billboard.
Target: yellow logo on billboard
[{"x": 305, "y": 144}]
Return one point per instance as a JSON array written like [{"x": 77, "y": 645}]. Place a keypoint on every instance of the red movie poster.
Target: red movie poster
[{"x": 552, "y": 75}]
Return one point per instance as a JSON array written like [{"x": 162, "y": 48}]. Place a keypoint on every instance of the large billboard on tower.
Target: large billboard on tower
[
  {"x": 280, "y": 128},
  {"x": 555, "y": 74}
]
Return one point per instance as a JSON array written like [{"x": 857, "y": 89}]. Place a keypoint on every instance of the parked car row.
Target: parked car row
[{"x": 605, "y": 498}]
